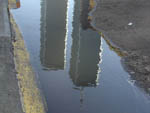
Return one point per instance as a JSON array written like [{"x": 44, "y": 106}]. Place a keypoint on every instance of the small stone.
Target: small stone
[
  {"x": 148, "y": 78},
  {"x": 125, "y": 52},
  {"x": 130, "y": 24},
  {"x": 132, "y": 72},
  {"x": 145, "y": 57},
  {"x": 147, "y": 68}
]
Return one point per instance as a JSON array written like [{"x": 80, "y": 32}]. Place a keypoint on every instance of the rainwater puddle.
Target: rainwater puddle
[{"x": 77, "y": 71}]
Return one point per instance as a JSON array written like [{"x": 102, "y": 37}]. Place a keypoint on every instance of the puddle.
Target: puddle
[{"x": 77, "y": 71}]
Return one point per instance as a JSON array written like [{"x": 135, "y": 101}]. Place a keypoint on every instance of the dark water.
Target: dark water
[{"x": 77, "y": 71}]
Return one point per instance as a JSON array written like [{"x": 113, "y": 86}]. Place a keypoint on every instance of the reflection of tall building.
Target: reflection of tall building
[
  {"x": 85, "y": 55},
  {"x": 53, "y": 24}
]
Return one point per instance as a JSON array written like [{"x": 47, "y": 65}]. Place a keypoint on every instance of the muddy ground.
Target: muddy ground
[{"x": 126, "y": 24}]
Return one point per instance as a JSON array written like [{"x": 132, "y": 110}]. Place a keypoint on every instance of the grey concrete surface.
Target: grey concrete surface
[
  {"x": 4, "y": 20},
  {"x": 9, "y": 91},
  {"x": 126, "y": 23}
]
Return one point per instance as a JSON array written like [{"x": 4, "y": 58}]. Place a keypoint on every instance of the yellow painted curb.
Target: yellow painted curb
[
  {"x": 14, "y": 4},
  {"x": 92, "y": 4},
  {"x": 30, "y": 94}
]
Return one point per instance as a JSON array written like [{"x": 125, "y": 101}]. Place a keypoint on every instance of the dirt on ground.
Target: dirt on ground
[{"x": 126, "y": 24}]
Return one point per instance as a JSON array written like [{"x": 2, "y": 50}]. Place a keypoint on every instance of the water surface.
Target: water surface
[{"x": 78, "y": 73}]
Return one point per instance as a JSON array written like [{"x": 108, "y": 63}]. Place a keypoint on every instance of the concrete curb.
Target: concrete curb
[{"x": 9, "y": 90}]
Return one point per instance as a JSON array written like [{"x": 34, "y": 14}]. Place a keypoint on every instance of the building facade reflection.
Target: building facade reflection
[
  {"x": 85, "y": 54},
  {"x": 53, "y": 24}
]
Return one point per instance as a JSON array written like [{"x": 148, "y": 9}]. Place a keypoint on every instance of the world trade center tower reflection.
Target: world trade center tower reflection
[
  {"x": 53, "y": 24},
  {"x": 86, "y": 42}
]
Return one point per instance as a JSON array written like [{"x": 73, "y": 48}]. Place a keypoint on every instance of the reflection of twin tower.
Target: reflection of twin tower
[
  {"x": 53, "y": 31},
  {"x": 85, "y": 46}
]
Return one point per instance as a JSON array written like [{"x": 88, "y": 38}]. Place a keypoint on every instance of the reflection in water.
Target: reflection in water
[
  {"x": 85, "y": 54},
  {"x": 84, "y": 69},
  {"x": 114, "y": 91},
  {"x": 53, "y": 34}
]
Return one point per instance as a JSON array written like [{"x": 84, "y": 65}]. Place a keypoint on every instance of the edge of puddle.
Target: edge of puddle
[{"x": 31, "y": 97}]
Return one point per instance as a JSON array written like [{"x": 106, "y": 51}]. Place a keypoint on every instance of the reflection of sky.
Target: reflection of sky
[
  {"x": 69, "y": 19},
  {"x": 28, "y": 19}
]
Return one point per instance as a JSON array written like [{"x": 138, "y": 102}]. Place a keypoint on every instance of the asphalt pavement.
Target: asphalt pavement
[{"x": 126, "y": 25}]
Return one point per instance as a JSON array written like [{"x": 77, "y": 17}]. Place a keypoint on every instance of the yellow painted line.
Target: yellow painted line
[
  {"x": 92, "y": 4},
  {"x": 13, "y": 4},
  {"x": 30, "y": 94}
]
